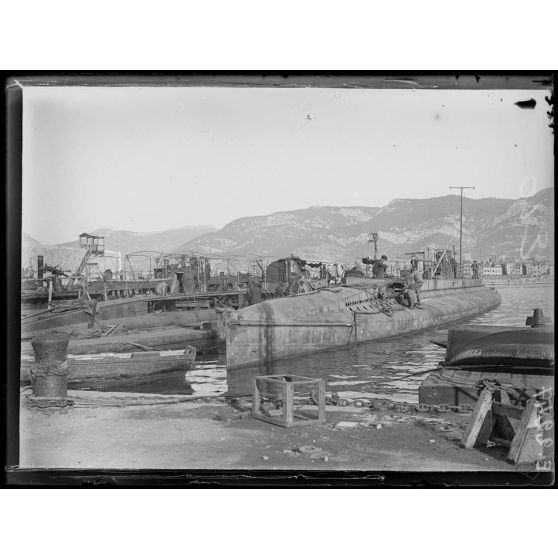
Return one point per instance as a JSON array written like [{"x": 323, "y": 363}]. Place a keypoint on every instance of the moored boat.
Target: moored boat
[
  {"x": 141, "y": 311},
  {"x": 119, "y": 365},
  {"x": 518, "y": 359},
  {"x": 157, "y": 339}
]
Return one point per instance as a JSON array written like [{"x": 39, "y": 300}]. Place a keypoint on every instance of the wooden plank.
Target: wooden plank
[
  {"x": 507, "y": 410},
  {"x": 524, "y": 447},
  {"x": 486, "y": 430},
  {"x": 478, "y": 418},
  {"x": 273, "y": 379},
  {"x": 502, "y": 441},
  {"x": 288, "y": 403},
  {"x": 271, "y": 394},
  {"x": 255, "y": 397},
  {"x": 140, "y": 346},
  {"x": 301, "y": 379},
  {"x": 272, "y": 420},
  {"x": 321, "y": 402}
]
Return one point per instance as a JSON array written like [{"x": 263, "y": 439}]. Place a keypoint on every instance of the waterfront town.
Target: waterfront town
[{"x": 143, "y": 266}]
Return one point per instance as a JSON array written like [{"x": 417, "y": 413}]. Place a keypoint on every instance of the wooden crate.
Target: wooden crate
[{"x": 284, "y": 389}]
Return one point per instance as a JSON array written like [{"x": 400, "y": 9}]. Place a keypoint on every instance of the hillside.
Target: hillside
[
  {"x": 491, "y": 226},
  {"x": 127, "y": 242},
  {"x": 312, "y": 230},
  {"x": 68, "y": 255}
]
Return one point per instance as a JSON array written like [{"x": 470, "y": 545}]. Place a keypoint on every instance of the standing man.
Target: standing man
[
  {"x": 254, "y": 293},
  {"x": 379, "y": 268},
  {"x": 414, "y": 284},
  {"x": 453, "y": 263},
  {"x": 475, "y": 269}
]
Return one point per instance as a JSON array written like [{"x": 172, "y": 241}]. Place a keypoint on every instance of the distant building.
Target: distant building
[
  {"x": 515, "y": 268},
  {"x": 536, "y": 269},
  {"x": 510, "y": 268},
  {"x": 492, "y": 270}
]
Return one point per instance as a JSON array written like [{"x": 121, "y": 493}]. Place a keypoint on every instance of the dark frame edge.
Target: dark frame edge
[
  {"x": 98, "y": 478},
  {"x": 13, "y": 97}
]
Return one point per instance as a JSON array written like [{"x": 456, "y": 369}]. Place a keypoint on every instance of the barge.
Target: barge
[
  {"x": 337, "y": 316},
  {"x": 139, "y": 312},
  {"x": 119, "y": 365}
]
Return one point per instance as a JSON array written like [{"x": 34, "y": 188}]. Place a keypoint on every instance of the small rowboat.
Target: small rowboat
[
  {"x": 120, "y": 365},
  {"x": 503, "y": 346},
  {"x": 519, "y": 359}
]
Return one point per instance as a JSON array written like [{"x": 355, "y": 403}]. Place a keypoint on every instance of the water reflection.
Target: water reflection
[{"x": 372, "y": 369}]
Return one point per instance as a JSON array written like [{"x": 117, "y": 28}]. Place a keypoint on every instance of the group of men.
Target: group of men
[
  {"x": 411, "y": 292},
  {"x": 413, "y": 281}
]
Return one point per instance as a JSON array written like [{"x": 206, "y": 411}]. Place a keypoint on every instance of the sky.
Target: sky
[{"x": 156, "y": 158}]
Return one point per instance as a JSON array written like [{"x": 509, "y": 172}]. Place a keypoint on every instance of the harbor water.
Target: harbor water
[{"x": 390, "y": 368}]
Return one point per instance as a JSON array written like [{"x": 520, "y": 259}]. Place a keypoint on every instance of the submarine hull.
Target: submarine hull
[{"x": 335, "y": 317}]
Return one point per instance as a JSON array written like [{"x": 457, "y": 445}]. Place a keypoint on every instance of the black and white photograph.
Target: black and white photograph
[{"x": 307, "y": 272}]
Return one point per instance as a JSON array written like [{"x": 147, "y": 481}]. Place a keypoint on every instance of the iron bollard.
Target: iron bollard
[
  {"x": 538, "y": 319},
  {"x": 49, "y": 375}
]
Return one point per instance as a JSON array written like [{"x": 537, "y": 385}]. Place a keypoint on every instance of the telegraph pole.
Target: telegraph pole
[{"x": 461, "y": 225}]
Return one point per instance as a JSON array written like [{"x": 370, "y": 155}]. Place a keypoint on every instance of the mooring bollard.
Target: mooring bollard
[
  {"x": 49, "y": 375},
  {"x": 538, "y": 319}
]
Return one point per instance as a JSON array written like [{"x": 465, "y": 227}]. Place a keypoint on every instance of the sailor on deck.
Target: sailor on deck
[
  {"x": 254, "y": 293},
  {"x": 475, "y": 269},
  {"x": 414, "y": 284},
  {"x": 379, "y": 268}
]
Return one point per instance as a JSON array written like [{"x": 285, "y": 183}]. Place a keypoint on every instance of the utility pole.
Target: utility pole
[
  {"x": 461, "y": 225},
  {"x": 373, "y": 239}
]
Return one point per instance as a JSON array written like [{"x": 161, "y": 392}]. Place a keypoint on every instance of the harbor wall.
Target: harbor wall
[{"x": 294, "y": 326}]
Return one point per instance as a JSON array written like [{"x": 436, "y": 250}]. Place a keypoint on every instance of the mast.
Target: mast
[{"x": 461, "y": 225}]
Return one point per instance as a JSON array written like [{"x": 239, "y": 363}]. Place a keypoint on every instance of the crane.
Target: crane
[{"x": 94, "y": 245}]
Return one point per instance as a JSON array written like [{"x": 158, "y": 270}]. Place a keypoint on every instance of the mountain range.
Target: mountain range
[
  {"x": 69, "y": 254},
  {"x": 128, "y": 242},
  {"x": 492, "y": 227}
]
